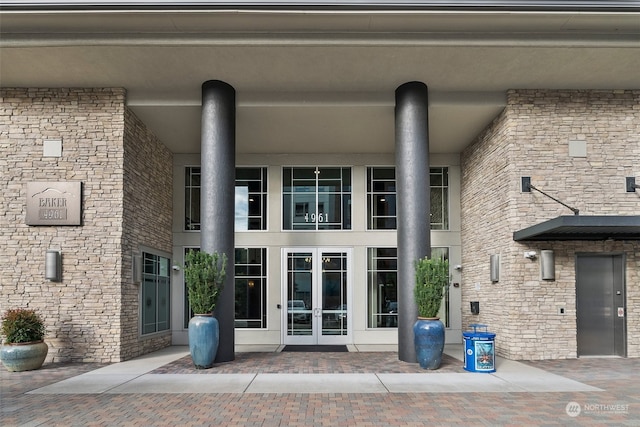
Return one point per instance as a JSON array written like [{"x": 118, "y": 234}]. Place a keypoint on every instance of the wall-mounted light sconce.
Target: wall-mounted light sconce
[
  {"x": 457, "y": 267},
  {"x": 531, "y": 255},
  {"x": 137, "y": 268},
  {"x": 494, "y": 268},
  {"x": 53, "y": 265},
  {"x": 631, "y": 184},
  {"x": 547, "y": 265}
]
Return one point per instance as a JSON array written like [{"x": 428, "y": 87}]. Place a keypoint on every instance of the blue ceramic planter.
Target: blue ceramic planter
[
  {"x": 429, "y": 342},
  {"x": 204, "y": 336},
  {"x": 23, "y": 357}
]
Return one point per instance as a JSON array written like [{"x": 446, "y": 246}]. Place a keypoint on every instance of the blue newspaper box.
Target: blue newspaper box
[{"x": 479, "y": 354}]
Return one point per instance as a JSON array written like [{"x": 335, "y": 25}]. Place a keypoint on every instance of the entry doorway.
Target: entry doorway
[
  {"x": 600, "y": 305},
  {"x": 317, "y": 296}
]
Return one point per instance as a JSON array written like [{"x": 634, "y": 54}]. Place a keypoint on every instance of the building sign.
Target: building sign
[{"x": 54, "y": 203}]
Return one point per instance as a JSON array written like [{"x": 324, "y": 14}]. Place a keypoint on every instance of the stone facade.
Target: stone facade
[
  {"x": 531, "y": 138},
  {"x": 91, "y": 314}
]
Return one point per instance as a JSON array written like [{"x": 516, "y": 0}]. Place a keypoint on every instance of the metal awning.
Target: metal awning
[{"x": 577, "y": 227}]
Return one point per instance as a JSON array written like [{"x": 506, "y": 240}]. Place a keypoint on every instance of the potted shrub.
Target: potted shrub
[
  {"x": 24, "y": 348},
  {"x": 432, "y": 278},
  {"x": 204, "y": 275}
]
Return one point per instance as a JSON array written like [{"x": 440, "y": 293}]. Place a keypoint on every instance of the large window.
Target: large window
[
  {"x": 382, "y": 287},
  {"x": 439, "y": 198},
  {"x": 382, "y": 276},
  {"x": 250, "y": 198},
  {"x": 381, "y": 198},
  {"x": 316, "y": 198},
  {"x": 250, "y": 288},
  {"x": 156, "y": 292},
  {"x": 192, "y": 198}
]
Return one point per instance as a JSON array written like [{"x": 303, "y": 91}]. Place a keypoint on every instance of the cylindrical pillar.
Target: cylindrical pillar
[
  {"x": 217, "y": 197},
  {"x": 413, "y": 203}
]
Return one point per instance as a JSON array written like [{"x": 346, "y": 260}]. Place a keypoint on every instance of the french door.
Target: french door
[{"x": 317, "y": 296}]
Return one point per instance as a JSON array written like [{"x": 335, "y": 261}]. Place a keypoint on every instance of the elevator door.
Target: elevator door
[
  {"x": 600, "y": 305},
  {"x": 317, "y": 296}
]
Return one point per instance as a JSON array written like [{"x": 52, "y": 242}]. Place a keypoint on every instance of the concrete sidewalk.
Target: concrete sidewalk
[{"x": 136, "y": 377}]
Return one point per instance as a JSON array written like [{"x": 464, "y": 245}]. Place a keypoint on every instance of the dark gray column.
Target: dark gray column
[
  {"x": 217, "y": 197},
  {"x": 413, "y": 190}
]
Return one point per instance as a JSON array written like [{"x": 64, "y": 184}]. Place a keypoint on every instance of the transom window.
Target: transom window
[
  {"x": 381, "y": 198},
  {"x": 316, "y": 198},
  {"x": 156, "y": 293},
  {"x": 382, "y": 287},
  {"x": 250, "y": 198}
]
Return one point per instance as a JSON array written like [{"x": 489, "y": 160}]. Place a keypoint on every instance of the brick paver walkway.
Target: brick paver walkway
[{"x": 618, "y": 404}]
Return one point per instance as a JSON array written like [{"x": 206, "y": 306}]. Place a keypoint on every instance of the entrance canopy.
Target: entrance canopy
[
  {"x": 575, "y": 227},
  {"x": 320, "y": 76}
]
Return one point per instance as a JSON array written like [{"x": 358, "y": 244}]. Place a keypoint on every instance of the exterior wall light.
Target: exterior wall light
[
  {"x": 494, "y": 268},
  {"x": 53, "y": 265}
]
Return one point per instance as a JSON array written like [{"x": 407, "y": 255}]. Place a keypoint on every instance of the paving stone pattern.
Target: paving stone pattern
[{"x": 620, "y": 378}]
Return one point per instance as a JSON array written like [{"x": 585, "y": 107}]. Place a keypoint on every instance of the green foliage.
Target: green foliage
[
  {"x": 20, "y": 325},
  {"x": 204, "y": 275},
  {"x": 432, "y": 276}
]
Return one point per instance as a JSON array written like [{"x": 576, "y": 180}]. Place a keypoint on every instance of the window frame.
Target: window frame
[
  {"x": 188, "y": 313},
  {"x": 263, "y": 194},
  {"x": 264, "y": 277},
  {"x": 293, "y": 207},
  {"x": 445, "y": 190},
  {"x": 445, "y": 309},
  {"x": 157, "y": 255}
]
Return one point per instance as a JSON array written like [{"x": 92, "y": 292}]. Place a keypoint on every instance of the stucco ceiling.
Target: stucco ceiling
[{"x": 310, "y": 82}]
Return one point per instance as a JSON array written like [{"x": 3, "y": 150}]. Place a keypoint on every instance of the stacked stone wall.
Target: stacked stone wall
[
  {"x": 92, "y": 314},
  {"x": 82, "y": 311},
  {"x": 531, "y": 138},
  {"x": 148, "y": 194}
]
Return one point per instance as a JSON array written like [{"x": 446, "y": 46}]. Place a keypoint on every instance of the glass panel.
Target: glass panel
[
  {"x": 148, "y": 305},
  {"x": 381, "y": 201},
  {"x": 381, "y": 198},
  {"x": 251, "y": 207},
  {"x": 250, "y": 288},
  {"x": 439, "y": 198},
  {"x": 156, "y": 291},
  {"x": 334, "y": 293},
  {"x": 241, "y": 208},
  {"x": 192, "y": 198},
  {"x": 316, "y": 198},
  {"x": 251, "y": 199},
  {"x": 382, "y": 286},
  {"x": 163, "y": 303},
  {"x": 299, "y": 293}
]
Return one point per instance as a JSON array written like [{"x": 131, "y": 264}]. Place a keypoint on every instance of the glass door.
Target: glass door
[{"x": 317, "y": 296}]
